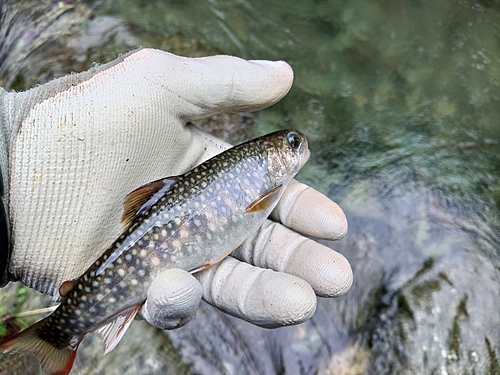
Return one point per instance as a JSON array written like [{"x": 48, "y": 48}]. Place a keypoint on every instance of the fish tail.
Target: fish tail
[{"x": 55, "y": 360}]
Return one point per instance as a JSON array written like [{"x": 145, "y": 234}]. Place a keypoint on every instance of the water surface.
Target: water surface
[{"x": 400, "y": 102}]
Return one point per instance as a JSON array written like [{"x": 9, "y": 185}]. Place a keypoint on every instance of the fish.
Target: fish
[{"x": 190, "y": 221}]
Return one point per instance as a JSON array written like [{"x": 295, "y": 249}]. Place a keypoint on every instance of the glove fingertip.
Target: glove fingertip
[
  {"x": 292, "y": 300},
  {"x": 260, "y": 296},
  {"x": 310, "y": 212}
]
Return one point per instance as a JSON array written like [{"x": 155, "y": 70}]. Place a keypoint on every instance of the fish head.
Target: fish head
[{"x": 287, "y": 152}]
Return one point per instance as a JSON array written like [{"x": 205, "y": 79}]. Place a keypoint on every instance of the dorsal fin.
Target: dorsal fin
[{"x": 143, "y": 198}]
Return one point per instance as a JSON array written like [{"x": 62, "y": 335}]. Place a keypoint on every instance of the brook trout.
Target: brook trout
[{"x": 189, "y": 221}]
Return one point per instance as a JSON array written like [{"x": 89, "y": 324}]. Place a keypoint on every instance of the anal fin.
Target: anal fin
[{"x": 112, "y": 331}]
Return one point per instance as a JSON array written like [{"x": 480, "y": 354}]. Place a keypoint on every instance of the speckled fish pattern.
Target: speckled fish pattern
[{"x": 189, "y": 221}]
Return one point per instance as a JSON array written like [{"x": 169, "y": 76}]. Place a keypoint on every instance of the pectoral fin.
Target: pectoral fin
[
  {"x": 143, "y": 198},
  {"x": 112, "y": 332},
  {"x": 265, "y": 201}
]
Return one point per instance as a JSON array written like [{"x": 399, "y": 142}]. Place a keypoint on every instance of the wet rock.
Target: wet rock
[{"x": 403, "y": 122}]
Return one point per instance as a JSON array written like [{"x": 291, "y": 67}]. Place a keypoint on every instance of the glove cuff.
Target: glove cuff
[
  {"x": 5, "y": 249},
  {"x": 4, "y": 141}
]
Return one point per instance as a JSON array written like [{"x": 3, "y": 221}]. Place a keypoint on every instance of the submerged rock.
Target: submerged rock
[{"x": 413, "y": 164}]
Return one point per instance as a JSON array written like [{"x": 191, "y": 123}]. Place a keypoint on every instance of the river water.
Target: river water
[{"x": 400, "y": 102}]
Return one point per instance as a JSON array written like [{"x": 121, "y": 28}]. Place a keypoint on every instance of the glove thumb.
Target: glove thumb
[{"x": 173, "y": 299}]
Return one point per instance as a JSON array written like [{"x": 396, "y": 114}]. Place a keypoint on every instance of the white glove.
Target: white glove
[{"x": 72, "y": 149}]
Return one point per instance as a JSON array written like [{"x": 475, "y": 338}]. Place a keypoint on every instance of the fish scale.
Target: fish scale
[{"x": 189, "y": 222}]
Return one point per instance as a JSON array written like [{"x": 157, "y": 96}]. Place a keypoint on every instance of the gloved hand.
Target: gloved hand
[{"x": 72, "y": 149}]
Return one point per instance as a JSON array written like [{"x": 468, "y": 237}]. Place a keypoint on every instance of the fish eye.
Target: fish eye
[{"x": 293, "y": 139}]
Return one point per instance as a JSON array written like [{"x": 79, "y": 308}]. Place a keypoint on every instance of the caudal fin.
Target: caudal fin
[{"x": 55, "y": 361}]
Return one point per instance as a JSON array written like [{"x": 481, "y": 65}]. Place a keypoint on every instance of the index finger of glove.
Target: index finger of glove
[
  {"x": 201, "y": 87},
  {"x": 310, "y": 213}
]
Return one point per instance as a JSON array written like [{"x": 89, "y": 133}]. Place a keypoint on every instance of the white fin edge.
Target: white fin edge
[{"x": 112, "y": 332}]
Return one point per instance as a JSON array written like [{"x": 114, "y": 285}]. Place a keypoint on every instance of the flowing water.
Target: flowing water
[{"x": 400, "y": 102}]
